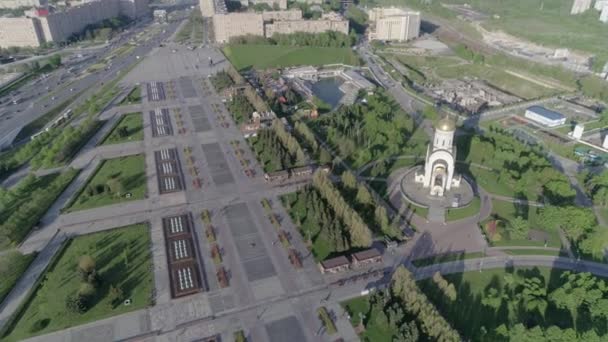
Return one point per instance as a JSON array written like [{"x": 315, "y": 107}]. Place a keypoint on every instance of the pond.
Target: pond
[{"x": 328, "y": 90}]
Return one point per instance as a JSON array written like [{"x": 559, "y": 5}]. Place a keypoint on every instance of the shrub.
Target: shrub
[
  {"x": 115, "y": 296},
  {"x": 74, "y": 304},
  {"x": 39, "y": 325},
  {"x": 327, "y": 321}
]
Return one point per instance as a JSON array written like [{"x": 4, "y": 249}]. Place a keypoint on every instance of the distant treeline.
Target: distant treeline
[{"x": 324, "y": 39}]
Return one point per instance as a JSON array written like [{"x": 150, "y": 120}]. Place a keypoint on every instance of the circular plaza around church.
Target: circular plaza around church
[{"x": 436, "y": 183}]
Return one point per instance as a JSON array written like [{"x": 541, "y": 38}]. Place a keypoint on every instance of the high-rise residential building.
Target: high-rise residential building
[
  {"x": 22, "y": 3},
  {"x": 281, "y": 4},
  {"x": 61, "y": 25},
  {"x": 20, "y": 32},
  {"x": 604, "y": 14},
  {"x": 226, "y": 26},
  {"x": 267, "y": 23},
  {"x": 600, "y": 4},
  {"x": 207, "y": 8},
  {"x": 393, "y": 24},
  {"x": 580, "y": 6},
  {"x": 328, "y": 22}
]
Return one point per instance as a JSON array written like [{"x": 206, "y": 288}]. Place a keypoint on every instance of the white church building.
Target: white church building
[{"x": 438, "y": 173}]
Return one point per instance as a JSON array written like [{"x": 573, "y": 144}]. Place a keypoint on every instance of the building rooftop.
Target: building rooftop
[
  {"x": 366, "y": 254},
  {"x": 547, "y": 113},
  {"x": 335, "y": 262}
]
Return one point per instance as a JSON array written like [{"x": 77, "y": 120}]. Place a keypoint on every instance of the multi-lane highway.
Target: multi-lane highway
[{"x": 39, "y": 97}]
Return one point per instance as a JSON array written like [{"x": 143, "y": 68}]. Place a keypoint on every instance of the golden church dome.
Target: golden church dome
[{"x": 446, "y": 124}]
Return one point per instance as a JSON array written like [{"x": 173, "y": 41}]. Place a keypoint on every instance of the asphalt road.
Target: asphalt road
[{"x": 13, "y": 117}]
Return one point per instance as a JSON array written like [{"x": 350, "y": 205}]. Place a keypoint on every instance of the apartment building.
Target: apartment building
[
  {"x": 393, "y": 24},
  {"x": 21, "y": 3},
  {"x": 332, "y": 22},
  {"x": 282, "y": 4},
  {"x": 226, "y": 26},
  {"x": 20, "y": 32},
  {"x": 60, "y": 26},
  {"x": 267, "y": 23},
  {"x": 207, "y": 8}
]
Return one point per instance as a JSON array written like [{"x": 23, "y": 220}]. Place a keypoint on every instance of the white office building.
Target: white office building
[
  {"x": 393, "y": 24},
  {"x": 545, "y": 116}
]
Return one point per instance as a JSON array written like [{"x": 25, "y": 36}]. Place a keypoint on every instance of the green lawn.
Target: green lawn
[
  {"x": 507, "y": 211},
  {"x": 433, "y": 69},
  {"x": 23, "y": 205},
  {"x": 12, "y": 266},
  {"x": 133, "y": 97},
  {"x": 129, "y": 128},
  {"x": 460, "y": 213},
  {"x": 438, "y": 259},
  {"x": 273, "y": 56},
  {"x": 549, "y": 24},
  {"x": 123, "y": 260},
  {"x": 536, "y": 251},
  {"x": 374, "y": 331},
  {"x": 130, "y": 175}
]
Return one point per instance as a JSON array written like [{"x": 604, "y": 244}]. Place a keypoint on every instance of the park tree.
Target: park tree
[
  {"x": 55, "y": 60},
  {"x": 348, "y": 180},
  {"x": 404, "y": 288},
  {"x": 534, "y": 295},
  {"x": 492, "y": 298},
  {"x": 364, "y": 197},
  {"x": 518, "y": 228},
  {"x": 579, "y": 290}
]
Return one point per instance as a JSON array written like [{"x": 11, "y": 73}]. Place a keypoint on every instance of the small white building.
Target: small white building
[
  {"x": 605, "y": 143},
  {"x": 545, "y": 116},
  {"x": 578, "y": 131}
]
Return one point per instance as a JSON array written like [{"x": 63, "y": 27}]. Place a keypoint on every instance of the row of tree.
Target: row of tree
[
  {"x": 447, "y": 288},
  {"x": 322, "y": 39},
  {"x": 12, "y": 161},
  {"x": 23, "y": 218},
  {"x": 289, "y": 142},
  {"x": 221, "y": 81},
  {"x": 307, "y": 138},
  {"x": 432, "y": 323},
  {"x": 240, "y": 108},
  {"x": 272, "y": 153},
  {"x": 318, "y": 221},
  {"x": 360, "y": 234},
  {"x": 363, "y": 202},
  {"x": 65, "y": 145}
]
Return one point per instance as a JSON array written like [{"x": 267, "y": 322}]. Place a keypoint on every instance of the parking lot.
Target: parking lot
[
  {"x": 161, "y": 122},
  {"x": 182, "y": 256},
  {"x": 168, "y": 170},
  {"x": 199, "y": 119},
  {"x": 217, "y": 164}
]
